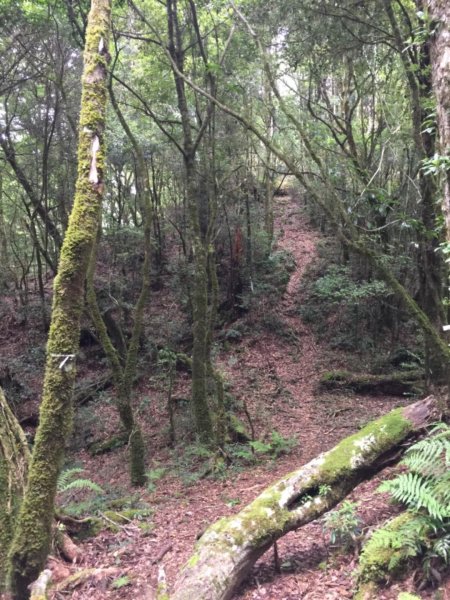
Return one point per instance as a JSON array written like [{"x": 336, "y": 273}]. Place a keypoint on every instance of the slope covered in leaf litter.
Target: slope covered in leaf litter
[{"x": 276, "y": 371}]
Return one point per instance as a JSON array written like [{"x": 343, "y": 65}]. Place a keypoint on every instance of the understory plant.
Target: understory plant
[
  {"x": 343, "y": 525},
  {"x": 423, "y": 531}
]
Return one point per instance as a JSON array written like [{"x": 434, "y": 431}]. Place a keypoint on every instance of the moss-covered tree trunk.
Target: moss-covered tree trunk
[
  {"x": 440, "y": 62},
  {"x": 200, "y": 238},
  {"x": 228, "y": 549},
  {"x": 31, "y": 542},
  {"x": 200, "y": 350},
  {"x": 440, "y": 58},
  {"x": 123, "y": 358},
  {"x": 14, "y": 459}
]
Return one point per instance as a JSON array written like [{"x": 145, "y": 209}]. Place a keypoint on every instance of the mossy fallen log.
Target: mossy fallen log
[
  {"x": 398, "y": 383},
  {"x": 108, "y": 445},
  {"x": 85, "y": 391},
  {"x": 227, "y": 550}
]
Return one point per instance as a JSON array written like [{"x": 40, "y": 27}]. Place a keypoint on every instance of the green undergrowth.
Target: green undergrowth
[
  {"x": 421, "y": 534},
  {"x": 100, "y": 508},
  {"x": 347, "y": 306},
  {"x": 193, "y": 462}
]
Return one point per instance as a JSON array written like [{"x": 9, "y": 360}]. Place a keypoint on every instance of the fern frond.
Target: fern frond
[
  {"x": 428, "y": 457},
  {"x": 65, "y": 476},
  {"x": 64, "y": 481},
  {"x": 80, "y": 484},
  {"x": 441, "y": 548}
]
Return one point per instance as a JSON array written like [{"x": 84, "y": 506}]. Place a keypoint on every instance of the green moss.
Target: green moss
[
  {"x": 335, "y": 376},
  {"x": 368, "y": 591},
  {"x": 345, "y": 456},
  {"x": 377, "y": 562},
  {"x": 193, "y": 560},
  {"x": 123, "y": 502},
  {"x": 5, "y": 523},
  {"x": 256, "y": 522},
  {"x": 145, "y": 527},
  {"x": 114, "y": 442},
  {"x": 125, "y": 516}
]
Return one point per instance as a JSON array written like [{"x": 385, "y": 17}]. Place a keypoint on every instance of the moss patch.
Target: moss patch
[
  {"x": 362, "y": 445},
  {"x": 378, "y": 562}
]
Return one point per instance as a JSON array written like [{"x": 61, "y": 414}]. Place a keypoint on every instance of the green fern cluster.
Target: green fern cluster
[
  {"x": 426, "y": 485},
  {"x": 67, "y": 482},
  {"x": 424, "y": 529}
]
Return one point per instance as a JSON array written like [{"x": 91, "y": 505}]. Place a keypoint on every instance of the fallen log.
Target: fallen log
[
  {"x": 227, "y": 550},
  {"x": 84, "y": 392},
  {"x": 398, "y": 383}
]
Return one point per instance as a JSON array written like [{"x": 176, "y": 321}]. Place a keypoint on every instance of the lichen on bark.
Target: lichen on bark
[
  {"x": 32, "y": 536},
  {"x": 14, "y": 459},
  {"x": 228, "y": 549}
]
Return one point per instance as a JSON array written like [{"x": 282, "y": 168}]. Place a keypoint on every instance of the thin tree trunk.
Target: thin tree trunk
[
  {"x": 200, "y": 355},
  {"x": 32, "y": 536}
]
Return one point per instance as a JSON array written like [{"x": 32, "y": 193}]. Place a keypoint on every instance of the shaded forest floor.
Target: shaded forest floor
[{"x": 274, "y": 371}]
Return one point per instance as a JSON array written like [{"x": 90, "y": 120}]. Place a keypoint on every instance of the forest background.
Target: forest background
[{"x": 195, "y": 118}]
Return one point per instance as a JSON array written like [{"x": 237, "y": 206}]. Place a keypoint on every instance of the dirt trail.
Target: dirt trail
[
  {"x": 275, "y": 371},
  {"x": 300, "y": 373}
]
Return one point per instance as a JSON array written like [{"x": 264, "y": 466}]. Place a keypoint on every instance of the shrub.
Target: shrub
[{"x": 346, "y": 311}]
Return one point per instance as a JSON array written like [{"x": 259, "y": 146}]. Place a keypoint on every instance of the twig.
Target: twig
[{"x": 161, "y": 554}]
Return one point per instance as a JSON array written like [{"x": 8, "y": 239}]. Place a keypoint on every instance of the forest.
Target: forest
[{"x": 224, "y": 299}]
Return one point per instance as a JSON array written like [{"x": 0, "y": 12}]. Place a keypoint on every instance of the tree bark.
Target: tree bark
[
  {"x": 32, "y": 536},
  {"x": 123, "y": 357},
  {"x": 14, "y": 459},
  {"x": 228, "y": 549},
  {"x": 200, "y": 239},
  {"x": 440, "y": 60}
]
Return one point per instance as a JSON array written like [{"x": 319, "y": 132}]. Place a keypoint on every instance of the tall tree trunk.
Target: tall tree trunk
[
  {"x": 123, "y": 361},
  {"x": 14, "y": 459},
  {"x": 200, "y": 242},
  {"x": 200, "y": 349},
  {"x": 440, "y": 59},
  {"x": 32, "y": 535},
  {"x": 440, "y": 62}
]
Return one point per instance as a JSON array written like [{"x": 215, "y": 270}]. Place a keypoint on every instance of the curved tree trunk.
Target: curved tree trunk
[
  {"x": 228, "y": 549},
  {"x": 123, "y": 357},
  {"x": 14, "y": 459},
  {"x": 32, "y": 536}
]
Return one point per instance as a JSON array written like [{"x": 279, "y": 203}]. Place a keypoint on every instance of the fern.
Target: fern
[
  {"x": 418, "y": 492},
  {"x": 427, "y": 484},
  {"x": 425, "y": 529},
  {"x": 67, "y": 482}
]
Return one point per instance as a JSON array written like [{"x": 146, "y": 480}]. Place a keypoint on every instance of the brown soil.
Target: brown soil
[{"x": 275, "y": 372}]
